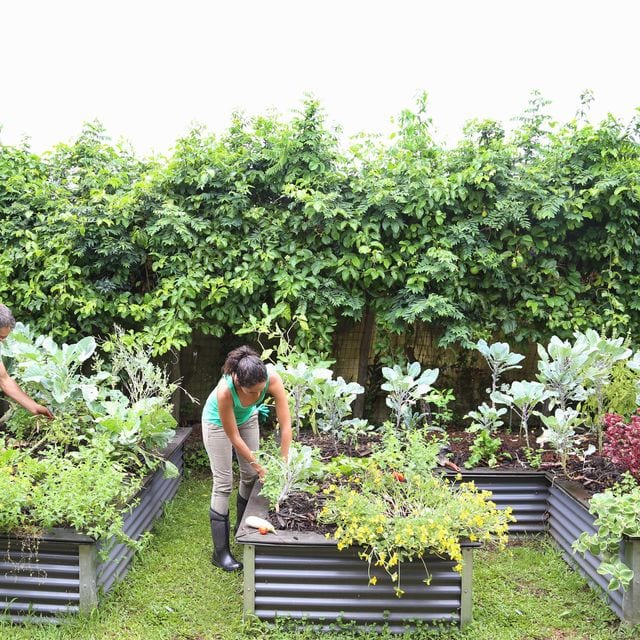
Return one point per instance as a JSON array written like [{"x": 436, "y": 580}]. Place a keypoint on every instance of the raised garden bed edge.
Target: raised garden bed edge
[{"x": 63, "y": 573}]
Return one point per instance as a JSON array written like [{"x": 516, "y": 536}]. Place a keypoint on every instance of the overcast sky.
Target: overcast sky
[{"x": 149, "y": 69}]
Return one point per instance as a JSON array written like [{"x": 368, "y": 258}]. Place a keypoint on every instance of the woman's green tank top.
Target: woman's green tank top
[{"x": 210, "y": 412}]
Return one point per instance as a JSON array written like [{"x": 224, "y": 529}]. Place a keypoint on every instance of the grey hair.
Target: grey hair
[{"x": 6, "y": 317}]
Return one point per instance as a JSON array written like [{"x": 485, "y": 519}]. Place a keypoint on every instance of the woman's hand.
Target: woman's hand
[
  {"x": 40, "y": 410},
  {"x": 259, "y": 469}
]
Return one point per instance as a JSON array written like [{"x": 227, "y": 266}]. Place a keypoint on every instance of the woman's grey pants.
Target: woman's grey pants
[{"x": 220, "y": 454}]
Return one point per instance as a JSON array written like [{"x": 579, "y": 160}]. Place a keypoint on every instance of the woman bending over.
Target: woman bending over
[{"x": 230, "y": 423}]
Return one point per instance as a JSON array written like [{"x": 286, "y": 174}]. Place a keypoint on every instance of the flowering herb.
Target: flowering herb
[{"x": 398, "y": 521}]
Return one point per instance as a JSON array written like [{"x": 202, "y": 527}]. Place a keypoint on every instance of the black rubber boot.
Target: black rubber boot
[
  {"x": 241, "y": 505},
  {"x": 220, "y": 536}
]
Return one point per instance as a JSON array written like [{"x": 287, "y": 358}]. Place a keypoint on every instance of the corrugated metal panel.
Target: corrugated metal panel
[
  {"x": 40, "y": 577},
  {"x": 525, "y": 493},
  {"x": 320, "y": 583},
  {"x": 138, "y": 521},
  {"x": 567, "y": 520}
]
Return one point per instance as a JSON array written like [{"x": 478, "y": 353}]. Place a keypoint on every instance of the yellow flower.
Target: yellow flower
[{"x": 373, "y": 580}]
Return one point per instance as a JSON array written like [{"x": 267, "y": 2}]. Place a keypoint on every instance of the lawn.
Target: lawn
[{"x": 173, "y": 593}]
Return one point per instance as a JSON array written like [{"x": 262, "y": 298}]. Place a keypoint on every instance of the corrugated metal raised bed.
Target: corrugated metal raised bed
[
  {"x": 303, "y": 576},
  {"x": 542, "y": 504},
  {"x": 61, "y": 571},
  {"x": 526, "y": 492},
  {"x": 568, "y": 517}
]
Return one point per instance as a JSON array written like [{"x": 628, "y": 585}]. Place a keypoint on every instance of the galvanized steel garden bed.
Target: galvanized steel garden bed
[
  {"x": 61, "y": 572},
  {"x": 303, "y": 576},
  {"x": 542, "y": 503}
]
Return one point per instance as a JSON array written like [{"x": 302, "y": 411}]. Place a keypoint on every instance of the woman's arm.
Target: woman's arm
[
  {"x": 10, "y": 388},
  {"x": 279, "y": 393},
  {"x": 228, "y": 419}
]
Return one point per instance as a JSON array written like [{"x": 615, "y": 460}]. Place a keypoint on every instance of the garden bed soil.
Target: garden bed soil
[{"x": 596, "y": 473}]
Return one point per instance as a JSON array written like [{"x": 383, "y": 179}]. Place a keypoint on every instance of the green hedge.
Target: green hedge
[{"x": 522, "y": 235}]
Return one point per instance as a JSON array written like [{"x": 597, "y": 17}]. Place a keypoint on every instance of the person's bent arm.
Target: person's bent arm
[
  {"x": 279, "y": 393},
  {"x": 11, "y": 389},
  {"x": 225, "y": 410}
]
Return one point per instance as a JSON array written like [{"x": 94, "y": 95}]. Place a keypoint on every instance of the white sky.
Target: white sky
[{"x": 149, "y": 69}]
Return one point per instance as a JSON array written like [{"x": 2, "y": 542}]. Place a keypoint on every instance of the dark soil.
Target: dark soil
[
  {"x": 596, "y": 473},
  {"x": 330, "y": 448},
  {"x": 298, "y": 513}
]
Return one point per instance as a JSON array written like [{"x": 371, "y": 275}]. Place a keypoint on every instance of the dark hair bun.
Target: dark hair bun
[{"x": 247, "y": 366}]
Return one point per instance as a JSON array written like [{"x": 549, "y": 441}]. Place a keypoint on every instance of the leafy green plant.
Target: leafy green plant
[
  {"x": 438, "y": 409},
  {"x": 133, "y": 367},
  {"x": 344, "y": 465},
  {"x": 523, "y": 397},
  {"x": 500, "y": 359},
  {"x": 86, "y": 490},
  {"x": 301, "y": 382},
  {"x": 286, "y": 476},
  {"x": 618, "y": 395},
  {"x": 634, "y": 365},
  {"x": 485, "y": 421},
  {"x": 562, "y": 368},
  {"x": 617, "y": 516},
  {"x": 333, "y": 401},
  {"x": 405, "y": 389},
  {"x": 352, "y": 430},
  {"x": 53, "y": 372},
  {"x": 559, "y": 432},
  {"x": 408, "y": 450},
  {"x": 15, "y": 487},
  {"x": 142, "y": 428},
  {"x": 80, "y": 468},
  {"x": 533, "y": 457},
  {"x": 485, "y": 449},
  {"x": 605, "y": 354}
]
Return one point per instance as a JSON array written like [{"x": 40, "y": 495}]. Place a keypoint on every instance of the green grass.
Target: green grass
[{"x": 173, "y": 593}]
